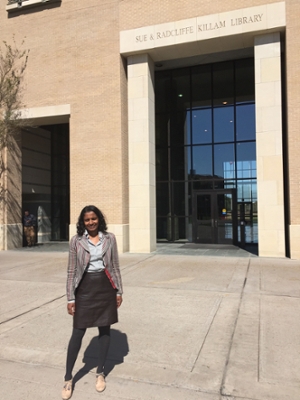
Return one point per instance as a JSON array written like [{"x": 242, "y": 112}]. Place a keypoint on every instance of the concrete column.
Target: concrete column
[
  {"x": 271, "y": 227},
  {"x": 141, "y": 136}
]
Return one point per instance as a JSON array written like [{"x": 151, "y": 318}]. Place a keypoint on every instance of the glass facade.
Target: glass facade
[
  {"x": 60, "y": 185},
  {"x": 205, "y": 141}
]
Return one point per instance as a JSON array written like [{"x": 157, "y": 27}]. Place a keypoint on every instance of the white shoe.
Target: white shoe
[
  {"x": 67, "y": 390},
  {"x": 100, "y": 383}
]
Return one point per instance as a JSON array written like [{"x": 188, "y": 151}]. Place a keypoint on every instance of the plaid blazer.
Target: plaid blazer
[{"x": 79, "y": 258}]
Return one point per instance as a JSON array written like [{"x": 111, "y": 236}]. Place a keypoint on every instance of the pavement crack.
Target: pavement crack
[
  {"x": 32, "y": 309},
  {"x": 207, "y": 332},
  {"x": 134, "y": 265},
  {"x": 233, "y": 332}
]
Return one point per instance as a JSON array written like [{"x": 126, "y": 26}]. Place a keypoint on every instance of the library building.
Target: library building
[{"x": 179, "y": 120}]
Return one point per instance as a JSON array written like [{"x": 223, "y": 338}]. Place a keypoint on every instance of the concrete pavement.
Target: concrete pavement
[{"x": 191, "y": 327}]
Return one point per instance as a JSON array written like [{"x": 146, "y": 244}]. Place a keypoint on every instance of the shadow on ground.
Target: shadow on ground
[{"x": 117, "y": 351}]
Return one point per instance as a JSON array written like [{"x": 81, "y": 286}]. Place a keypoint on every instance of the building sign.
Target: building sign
[
  {"x": 241, "y": 21},
  {"x": 232, "y": 22}
]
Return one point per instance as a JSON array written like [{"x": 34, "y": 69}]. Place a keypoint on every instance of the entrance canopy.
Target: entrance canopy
[{"x": 205, "y": 34}]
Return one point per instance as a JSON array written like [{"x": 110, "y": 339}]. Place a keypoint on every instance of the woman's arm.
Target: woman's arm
[
  {"x": 116, "y": 265},
  {"x": 71, "y": 272}
]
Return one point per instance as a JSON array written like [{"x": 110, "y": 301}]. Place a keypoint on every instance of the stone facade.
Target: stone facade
[{"x": 76, "y": 64}]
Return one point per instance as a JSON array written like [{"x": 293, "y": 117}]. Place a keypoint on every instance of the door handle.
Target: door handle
[{"x": 212, "y": 223}]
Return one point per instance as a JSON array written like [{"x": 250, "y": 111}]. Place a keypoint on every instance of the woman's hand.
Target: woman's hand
[
  {"x": 119, "y": 301},
  {"x": 71, "y": 309}
]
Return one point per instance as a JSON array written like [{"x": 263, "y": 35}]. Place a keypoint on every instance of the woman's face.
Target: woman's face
[{"x": 91, "y": 222}]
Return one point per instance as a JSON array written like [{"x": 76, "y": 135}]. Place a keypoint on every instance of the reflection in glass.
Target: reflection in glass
[
  {"x": 188, "y": 130},
  {"x": 199, "y": 132},
  {"x": 245, "y": 122},
  {"x": 201, "y": 124},
  {"x": 246, "y": 160},
  {"x": 224, "y": 215},
  {"x": 247, "y": 190},
  {"x": 202, "y": 161},
  {"x": 203, "y": 184},
  {"x": 224, "y": 124},
  {"x": 247, "y": 209},
  {"x": 229, "y": 184},
  {"x": 224, "y": 165}
]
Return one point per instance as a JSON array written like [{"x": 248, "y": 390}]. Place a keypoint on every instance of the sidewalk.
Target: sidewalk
[{"x": 191, "y": 327}]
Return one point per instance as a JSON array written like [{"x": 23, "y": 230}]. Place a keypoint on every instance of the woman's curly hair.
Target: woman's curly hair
[{"x": 80, "y": 224}]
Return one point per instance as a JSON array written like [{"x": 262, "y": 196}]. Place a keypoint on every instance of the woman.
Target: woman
[{"x": 94, "y": 289}]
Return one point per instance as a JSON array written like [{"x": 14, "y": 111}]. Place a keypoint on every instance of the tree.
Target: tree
[{"x": 13, "y": 63}]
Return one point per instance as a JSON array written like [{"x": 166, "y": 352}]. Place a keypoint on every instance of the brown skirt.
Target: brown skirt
[{"x": 95, "y": 302}]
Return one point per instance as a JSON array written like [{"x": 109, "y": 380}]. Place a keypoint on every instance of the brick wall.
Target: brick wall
[{"x": 74, "y": 59}]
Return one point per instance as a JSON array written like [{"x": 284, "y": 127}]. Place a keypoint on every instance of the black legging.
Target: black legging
[{"x": 75, "y": 344}]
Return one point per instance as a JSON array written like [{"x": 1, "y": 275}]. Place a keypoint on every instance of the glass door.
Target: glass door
[
  {"x": 214, "y": 217},
  {"x": 203, "y": 221}
]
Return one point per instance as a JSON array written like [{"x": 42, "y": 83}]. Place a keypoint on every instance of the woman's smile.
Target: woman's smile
[{"x": 91, "y": 222}]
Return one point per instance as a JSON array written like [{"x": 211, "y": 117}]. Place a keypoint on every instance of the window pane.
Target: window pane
[
  {"x": 162, "y": 165},
  {"x": 201, "y": 126},
  {"x": 224, "y": 206},
  {"x": 202, "y": 161},
  {"x": 247, "y": 191},
  {"x": 184, "y": 229},
  {"x": 181, "y": 89},
  {"x": 162, "y": 198},
  {"x": 179, "y": 127},
  {"x": 223, "y": 84},
  {"x": 161, "y": 228},
  {"x": 180, "y": 162},
  {"x": 203, "y": 207},
  {"x": 162, "y": 91},
  {"x": 201, "y": 86},
  {"x": 223, "y": 124},
  {"x": 244, "y": 80},
  {"x": 224, "y": 165},
  {"x": 246, "y": 160},
  {"x": 188, "y": 130},
  {"x": 224, "y": 184},
  {"x": 203, "y": 184},
  {"x": 162, "y": 127},
  {"x": 245, "y": 122},
  {"x": 181, "y": 198}
]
